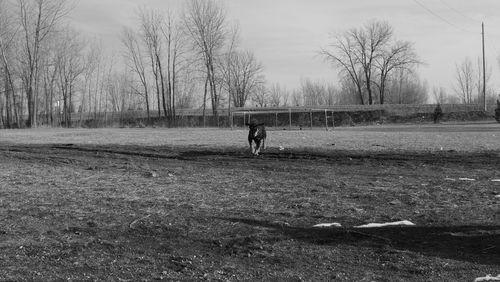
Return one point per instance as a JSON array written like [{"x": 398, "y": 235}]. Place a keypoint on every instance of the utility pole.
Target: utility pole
[{"x": 484, "y": 70}]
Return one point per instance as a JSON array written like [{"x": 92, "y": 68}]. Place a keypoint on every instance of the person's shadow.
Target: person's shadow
[{"x": 477, "y": 244}]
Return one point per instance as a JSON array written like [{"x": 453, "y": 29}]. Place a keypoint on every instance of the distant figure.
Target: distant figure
[
  {"x": 438, "y": 113},
  {"x": 256, "y": 134}
]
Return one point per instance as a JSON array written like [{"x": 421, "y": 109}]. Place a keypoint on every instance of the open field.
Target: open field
[
  {"x": 174, "y": 204},
  {"x": 427, "y": 137}
]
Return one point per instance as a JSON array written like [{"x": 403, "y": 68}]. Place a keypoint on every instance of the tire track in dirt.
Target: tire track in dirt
[{"x": 192, "y": 153}]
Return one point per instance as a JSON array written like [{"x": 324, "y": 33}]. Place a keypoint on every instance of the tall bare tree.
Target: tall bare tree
[
  {"x": 38, "y": 19},
  {"x": 136, "y": 63},
  {"x": 119, "y": 89},
  {"x": 370, "y": 43},
  {"x": 242, "y": 75},
  {"x": 7, "y": 37},
  {"x": 175, "y": 39},
  {"x": 91, "y": 62},
  {"x": 49, "y": 78},
  {"x": 399, "y": 56},
  {"x": 205, "y": 21},
  {"x": 227, "y": 67},
  {"x": 465, "y": 76},
  {"x": 69, "y": 68},
  {"x": 367, "y": 56},
  {"x": 343, "y": 55},
  {"x": 151, "y": 28}
]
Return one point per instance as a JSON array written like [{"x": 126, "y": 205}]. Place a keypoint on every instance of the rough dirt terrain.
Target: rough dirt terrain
[{"x": 130, "y": 211}]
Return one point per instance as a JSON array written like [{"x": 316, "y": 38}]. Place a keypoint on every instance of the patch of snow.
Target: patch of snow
[
  {"x": 396, "y": 202},
  {"x": 396, "y": 223},
  {"x": 488, "y": 278},
  {"x": 333, "y": 224},
  {"x": 466, "y": 179},
  {"x": 495, "y": 180}
]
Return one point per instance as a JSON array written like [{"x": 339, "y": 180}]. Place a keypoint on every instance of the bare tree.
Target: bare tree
[
  {"x": 370, "y": 42},
  {"x": 185, "y": 92},
  {"x": 344, "y": 56},
  {"x": 175, "y": 39},
  {"x": 205, "y": 24},
  {"x": 400, "y": 56},
  {"x": 49, "y": 76},
  {"x": 136, "y": 63},
  {"x": 69, "y": 68},
  {"x": 151, "y": 25},
  {"x": 442, "y": 97},
  {"x": 405, "y": 87},
  {"x": 317, "y": 94},
  {"x": 91, "y": 62},
  {"x": 297, "y": 98},
  {"x": 243, "y": 76},
  {"x": 277, "y": 95},
  {"x": 465, "y": 76},
  {"x": 7, "y": 37},
  {"x": 38, "y": 19},
  {"x": 367, "y": 57},
  {"x": 120, "y": 91},
  {"x": 227, "y": 66},
  {"x": 261, "y": 96},
  {"x": 348, "y": 93}
]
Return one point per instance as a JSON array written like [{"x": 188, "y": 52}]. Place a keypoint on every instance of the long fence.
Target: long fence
[
  {"x": 339, "y": 115},
  {"x": 289, "y": 117}
]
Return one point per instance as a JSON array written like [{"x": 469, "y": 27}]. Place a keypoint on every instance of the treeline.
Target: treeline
[
  {"x": 49, "y": 69},
  {"x": 190, "y": 57}
]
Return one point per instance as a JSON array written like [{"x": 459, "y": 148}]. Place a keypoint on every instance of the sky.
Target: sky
[{"x": 286, "y": 35}]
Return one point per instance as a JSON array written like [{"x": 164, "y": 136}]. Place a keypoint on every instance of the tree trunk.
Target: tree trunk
[
  {"x": 160, "y": 71},
  {"x": 7, "y": 98},
  {"x": 172, "y": 87},
  {"x": 205, "y": 100}
]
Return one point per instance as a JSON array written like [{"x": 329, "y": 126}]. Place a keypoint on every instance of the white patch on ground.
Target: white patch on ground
[
  {"x": 488, "y": 278},
  {"x": 333, "y": 224},
  {"x": 466, "y": 179},
  {"x": 396, "y": 223}
]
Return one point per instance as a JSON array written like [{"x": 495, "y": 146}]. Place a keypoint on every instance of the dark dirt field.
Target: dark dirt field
[{"x": 100, "y": 212}]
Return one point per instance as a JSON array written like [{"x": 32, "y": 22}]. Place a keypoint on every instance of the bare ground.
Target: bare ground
[{"x": 128, "y": 212}]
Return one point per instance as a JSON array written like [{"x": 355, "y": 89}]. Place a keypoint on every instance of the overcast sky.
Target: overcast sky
[{"x": 286, "y": 35}]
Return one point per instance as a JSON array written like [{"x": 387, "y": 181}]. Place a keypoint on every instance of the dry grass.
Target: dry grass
[
  {"x": 174, "y": 204},
  {"x": 458, "y": 137}
]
